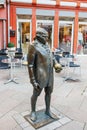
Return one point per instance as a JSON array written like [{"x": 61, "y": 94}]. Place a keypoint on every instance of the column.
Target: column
[
  {"x": 57, "y": 2},
  {"x": 75, "y": 32},
  {"x": 33, "y": 22},
  {"x": 56, "y": 25},
  {"x": 4, "y": 34},
  {"x": 13, "y": 23},
  {"x": 34, "y": 19},
  {"x": 1, "y": 36},
  {"x": 34, "y": 1}
]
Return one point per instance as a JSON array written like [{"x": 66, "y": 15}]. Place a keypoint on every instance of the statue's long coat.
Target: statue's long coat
[{"x": 40, "y": 64}]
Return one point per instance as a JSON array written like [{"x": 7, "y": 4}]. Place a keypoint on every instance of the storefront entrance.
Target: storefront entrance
[
  {"x": 23, "y": 34},
  {"x": 49, "y": 26},
  {"x": 66, "y": 36}
]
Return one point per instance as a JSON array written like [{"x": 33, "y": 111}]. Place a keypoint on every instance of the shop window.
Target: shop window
[
  {"x": 65, "y": 36},
  {"x": 24, "y": 35},
  {"x": 82, "y": 38}
]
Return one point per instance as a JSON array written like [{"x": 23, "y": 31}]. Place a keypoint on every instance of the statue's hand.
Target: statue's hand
[
  {"x": 36, "y": 86},
  {"x": 58, "y": 68}
]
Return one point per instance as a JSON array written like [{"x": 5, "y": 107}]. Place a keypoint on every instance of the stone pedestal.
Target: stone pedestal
[{"x": 42, "y": 119}]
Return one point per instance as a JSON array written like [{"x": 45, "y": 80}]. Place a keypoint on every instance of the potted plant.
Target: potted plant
[{"x": 11, "y": 46}]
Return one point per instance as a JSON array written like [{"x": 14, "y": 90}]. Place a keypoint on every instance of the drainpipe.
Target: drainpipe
[
  {"x": 8, "y": 8},
  {"x": 4, "y": 33},
  {"x": 4, "y": 30}
]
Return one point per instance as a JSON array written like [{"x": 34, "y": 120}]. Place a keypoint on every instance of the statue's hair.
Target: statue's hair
[{"x": 42, "y": 32}]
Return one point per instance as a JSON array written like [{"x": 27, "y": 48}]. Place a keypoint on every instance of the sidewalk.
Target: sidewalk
[{"x": 68, "y": 98}]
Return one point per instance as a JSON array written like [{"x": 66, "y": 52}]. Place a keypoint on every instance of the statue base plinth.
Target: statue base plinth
[{"x": 42, "y": 119}]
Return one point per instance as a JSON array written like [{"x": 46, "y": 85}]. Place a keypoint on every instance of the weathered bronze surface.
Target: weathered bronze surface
[{"x": 40, "y": 66}]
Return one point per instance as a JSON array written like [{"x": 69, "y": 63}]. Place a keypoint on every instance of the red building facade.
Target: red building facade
[{"x": 65, "y": 21}]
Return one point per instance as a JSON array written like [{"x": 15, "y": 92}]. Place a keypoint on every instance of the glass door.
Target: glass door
[
  {"x": 23, "y": 34},
  {"x": 49, "y": 26},
  {"x": 66, "y": 36}
]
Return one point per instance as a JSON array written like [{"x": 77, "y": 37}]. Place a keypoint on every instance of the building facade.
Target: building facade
[{"x": 65, "y": 21}]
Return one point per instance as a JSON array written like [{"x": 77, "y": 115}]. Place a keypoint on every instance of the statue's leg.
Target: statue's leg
[
  {"x": 48, "y": 92},
  {"x": 33, "y": 103},
  {"x": 47, "y": 99}
]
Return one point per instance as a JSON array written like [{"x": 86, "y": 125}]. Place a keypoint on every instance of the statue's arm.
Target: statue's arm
[{"x": 31, "y": 60}]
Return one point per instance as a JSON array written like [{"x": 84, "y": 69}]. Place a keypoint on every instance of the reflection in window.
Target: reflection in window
[
  {"x": 82, "y": 39},
  {"x": 65, "y": 32}
]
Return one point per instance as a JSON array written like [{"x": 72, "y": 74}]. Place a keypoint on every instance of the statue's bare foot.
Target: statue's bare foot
[
  {"x": 33, "y": 116},
  {"x": 50, "y": 115}
]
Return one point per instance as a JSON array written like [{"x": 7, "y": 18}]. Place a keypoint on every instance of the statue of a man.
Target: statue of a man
[{"x": 40, "y": 65}]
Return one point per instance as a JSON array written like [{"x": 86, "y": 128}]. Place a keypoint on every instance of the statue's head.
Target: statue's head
[{"x": 42, "y": 33}]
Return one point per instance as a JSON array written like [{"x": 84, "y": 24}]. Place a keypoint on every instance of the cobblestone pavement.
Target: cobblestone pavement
[{"x": 69, "y": 100}]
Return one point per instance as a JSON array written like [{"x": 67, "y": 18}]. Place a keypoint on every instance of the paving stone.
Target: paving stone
[
  {"x": 29, "y": 128},
  {"x": 85, "y": 126},
  {"x": 1, "y": 115},
  {"x": 51, "y": 126},
  {"x": 77, "y": 114},
  {"x": 74, "y": 125},
  {"x": 17, "y": 128},
  {"x": 19, "y": 119},
  {"x": 25, "y": 113},
  {"x": 24, "y": 125},
  {"x": 8, "y": 105},
  {"x": 64, "y": 120},
  {"x": 84, "y": 104},
  {"x": 57, "y": 113},
  {"x": 8, "y": 123},
  {"x": 23, "y": 106},
  {"x": 66, "y": 97}
]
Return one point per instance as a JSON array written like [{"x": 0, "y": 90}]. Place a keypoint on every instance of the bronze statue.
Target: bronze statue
[{"x": 40, "y": 65}]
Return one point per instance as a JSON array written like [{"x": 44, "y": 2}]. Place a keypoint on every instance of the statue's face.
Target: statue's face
[
  {"x": 42, "y": 33},
  {"x": 45, "y": 38}
]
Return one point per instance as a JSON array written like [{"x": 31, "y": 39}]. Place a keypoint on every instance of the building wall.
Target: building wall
[
  {"x": 3, "y": 13},
  {"x": 69, "y": 10}
]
